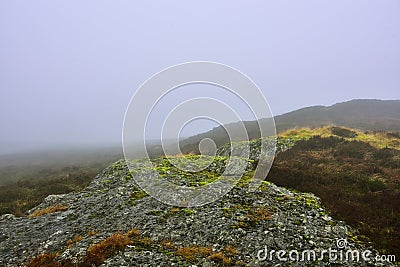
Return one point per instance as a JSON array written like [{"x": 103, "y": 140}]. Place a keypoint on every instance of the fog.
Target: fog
[{"x": 68, "y": 69}]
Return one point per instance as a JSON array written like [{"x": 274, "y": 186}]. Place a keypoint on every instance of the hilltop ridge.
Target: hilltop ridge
[{"x": 362, "y": 114}]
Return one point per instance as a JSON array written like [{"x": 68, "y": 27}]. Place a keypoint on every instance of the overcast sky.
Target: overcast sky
[{"x": 69, "y": 68}]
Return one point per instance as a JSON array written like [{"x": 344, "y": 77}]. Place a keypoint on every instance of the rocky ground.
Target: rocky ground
[{"x": 113, "y": 223}]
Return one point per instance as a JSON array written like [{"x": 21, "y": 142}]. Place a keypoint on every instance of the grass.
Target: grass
[
  {"x": 259, "y": 214},
  {"x": 252, "y": 218},
  {"x": 219, "y": 257},
  {"x": 193, "y": 252},
  {"x": 91, "y": 233},
  {"x": 26, "y": 179},
  {"x": 51, "y": 209},
  {"x": 98, "y": 253},
  {"x": 95, "y": 255},
  {"x": 133, "y": 233},
  {"x": 377, "y": 139},
  {"x": 44, "y": 260},
  {"x": 230, "y": 250}
]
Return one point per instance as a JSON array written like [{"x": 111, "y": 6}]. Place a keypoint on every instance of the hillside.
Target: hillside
[
  {"x": 356, "y": 181},
  {"x": 356, "y": 175},
  {"x": 114, "y": 223},
  {"x": 364, "y": 114},
  {"x": 26, "y": 179}
]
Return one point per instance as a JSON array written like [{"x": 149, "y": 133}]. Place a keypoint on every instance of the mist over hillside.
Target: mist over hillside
[{"x": 363, "y": 114}]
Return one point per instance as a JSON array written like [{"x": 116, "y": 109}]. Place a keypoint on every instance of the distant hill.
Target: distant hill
[{"x": 363, "y": 114}]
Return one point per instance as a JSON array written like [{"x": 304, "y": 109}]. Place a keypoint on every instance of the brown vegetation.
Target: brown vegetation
[
  {"x": 17, "y": 198},
  {"x": 358, "y": 183},
  {"x": 51, "y": 209},
  {"x": 100, "y": 252},
  {"x": 219, "y": 257},
  {"x": 259, "y": 214},
  {"x": 191, "y": 253},
  {"x": 44, "y": 260}
]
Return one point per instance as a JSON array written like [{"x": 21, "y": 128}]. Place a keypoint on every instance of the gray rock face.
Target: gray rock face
[{"x": 271, "y": 218}]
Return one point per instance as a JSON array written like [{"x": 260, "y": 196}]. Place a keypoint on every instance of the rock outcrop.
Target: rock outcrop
[{"x": 240, "y": 229}]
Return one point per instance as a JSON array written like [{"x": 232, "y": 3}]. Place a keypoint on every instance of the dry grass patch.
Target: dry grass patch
[
  {"x": 45, "y": 260},
  {"x": 167, "y": 244},
  {"x": 191, "y": 253},
  {"x": 51, "y": 209},
  {"x": 98, "y": 253},
  {"x": 219, "y": 257},
  {"x": 91, "y": 233},
  {"x": 260, "y": 214},
  {"x": 133, "y": 233},
  {"x": 230, "y": 250}
]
